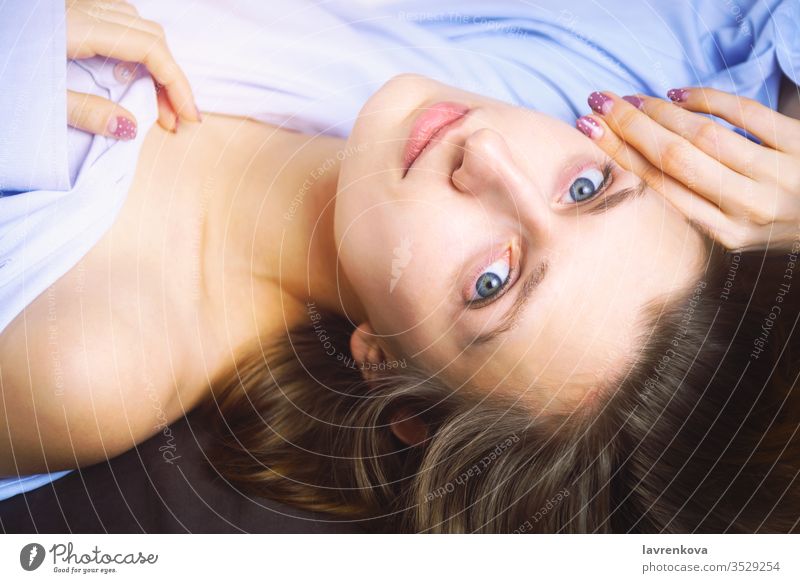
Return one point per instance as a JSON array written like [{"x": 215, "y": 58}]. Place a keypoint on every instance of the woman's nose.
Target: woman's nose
[{"x": 490, "y": 171}]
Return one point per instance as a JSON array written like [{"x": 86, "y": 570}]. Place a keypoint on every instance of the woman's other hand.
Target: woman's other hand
[
  {"x": 113, "y": 28},
  {"x": 744, "y": 195}
]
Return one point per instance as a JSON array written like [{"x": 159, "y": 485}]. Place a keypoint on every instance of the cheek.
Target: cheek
[{"x": 385, "y": 255}]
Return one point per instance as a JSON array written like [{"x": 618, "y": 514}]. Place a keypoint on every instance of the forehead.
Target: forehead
[{"x": 584, "y": 324}]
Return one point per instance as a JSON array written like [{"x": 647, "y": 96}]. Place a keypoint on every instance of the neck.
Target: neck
[{"x": 294, "y": 245}]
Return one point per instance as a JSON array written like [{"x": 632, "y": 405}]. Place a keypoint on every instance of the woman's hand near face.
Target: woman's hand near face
[
  {"x": 113, "y": 28},
  {"x": 744, "y": 195}
]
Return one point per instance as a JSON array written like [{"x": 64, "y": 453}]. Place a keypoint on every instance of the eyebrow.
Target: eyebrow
[
  {"x": 515, "y": 311},
  {"x": 616, "y": 198},
  {"x": 512, "y": 316}
]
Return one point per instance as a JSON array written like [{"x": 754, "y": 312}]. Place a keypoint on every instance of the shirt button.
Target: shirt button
[{"x": 125, "y": 72}]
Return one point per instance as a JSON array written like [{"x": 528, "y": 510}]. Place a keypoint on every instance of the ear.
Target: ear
[
  {"x": 366, "y": 350},
  {"x": 408, "y": 427}
]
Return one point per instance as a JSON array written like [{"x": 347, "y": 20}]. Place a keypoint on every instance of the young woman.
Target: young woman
[{"x": 466, "y": 316}]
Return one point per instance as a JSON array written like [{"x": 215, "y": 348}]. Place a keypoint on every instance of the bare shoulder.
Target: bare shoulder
[
  {"x": 789, "y": 100},
  {"x": 82, "y": 383}
]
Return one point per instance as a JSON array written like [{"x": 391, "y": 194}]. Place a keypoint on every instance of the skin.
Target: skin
[{"x": 502, "y": 171}]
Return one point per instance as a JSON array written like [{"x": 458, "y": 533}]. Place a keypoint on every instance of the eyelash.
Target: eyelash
[
  {"x": 607, "y": 170},
  {"x": 608, "y": 177}
]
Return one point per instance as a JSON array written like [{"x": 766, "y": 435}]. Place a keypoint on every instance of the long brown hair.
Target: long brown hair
[{"x": 700, "y": 436}]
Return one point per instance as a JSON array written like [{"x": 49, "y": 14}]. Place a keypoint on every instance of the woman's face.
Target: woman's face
[{"x": 501, "y": 253}]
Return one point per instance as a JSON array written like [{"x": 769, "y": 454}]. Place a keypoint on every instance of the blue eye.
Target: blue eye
[
  {"x": 493, "y": 279},
  {"x": 589, "y": 184}
]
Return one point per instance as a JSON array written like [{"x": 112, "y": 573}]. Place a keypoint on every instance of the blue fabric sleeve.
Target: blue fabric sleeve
[
  {"x": 758, "y": 45},
  {"x": 33, "y": 114},
  {"x": 12, "y": 486}
]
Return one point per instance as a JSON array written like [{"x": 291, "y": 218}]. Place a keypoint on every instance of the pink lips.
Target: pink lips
[{"x": 430, "y": 122}]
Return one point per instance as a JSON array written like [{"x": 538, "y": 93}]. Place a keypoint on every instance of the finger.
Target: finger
[
  {"x": 98, "y": 9},
  {"x": 167, "y": 118},
  {"x": 735, "y": 151},
  {"x": 118, "y": 41},
  {"x": 758, "y": 203},
  {"x": 771, "y": 127},
  {"x": 96, "y": 115},
  {"x": 125, "y": 7},
  {"x": 596, "y": 129},
  {"x": 700, "y": 212},
  {"x": 674, "y": 155},
  {"x": 130, "y": 20}
]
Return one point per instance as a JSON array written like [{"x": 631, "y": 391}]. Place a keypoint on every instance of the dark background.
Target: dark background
[{"x": 140, "y": 492}]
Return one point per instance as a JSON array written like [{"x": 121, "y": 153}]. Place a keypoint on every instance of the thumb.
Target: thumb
[{"x": 96, "y": 115}]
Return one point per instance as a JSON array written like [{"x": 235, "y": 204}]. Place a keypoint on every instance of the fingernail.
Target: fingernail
[
  {"x": 637, "y": 102},
  {"x": 124, "y": 71},
  {"x": 589, "y": 126},
  {"x": 122, "y": 128},
  {"x": 600, "y": 103},
  {"x": 678, "y": 95}
]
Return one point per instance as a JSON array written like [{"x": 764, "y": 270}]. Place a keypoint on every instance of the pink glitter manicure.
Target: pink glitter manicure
[
  {"x": 600, "y": 103},
  {"x": 634, "y": 101},
  {"x": 678, "y": 95},
  {"x": 122, "y": 128},
  {"x": 589, "y": 126}
]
